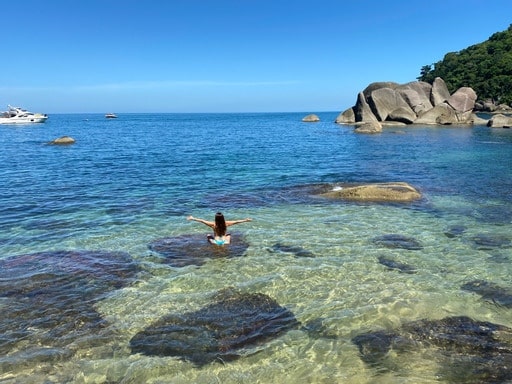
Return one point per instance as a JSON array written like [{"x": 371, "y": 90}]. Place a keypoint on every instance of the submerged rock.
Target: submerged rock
[
  {"x": 398, "y": 241},
  {"x": 455, "y": 231},
  {"x": 295, "y": 249},
  {"x": 485, "y": 242},
  {"x": 184, "y": 250},
  {"x": 490, "y": 292},
  {"x": 376, "y": 192},
  {"x": 49, "y": 297},
  {"x": 218, "y": 331},
  {"x": 467, "y": 351},
  {"x": 86, "y": 274},
  {"x": 396, "y": 265}
]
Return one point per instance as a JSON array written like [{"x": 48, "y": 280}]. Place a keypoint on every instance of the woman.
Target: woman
[{"x": 219, "y": 226}]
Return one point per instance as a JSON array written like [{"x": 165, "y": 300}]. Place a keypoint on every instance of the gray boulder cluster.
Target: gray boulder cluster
[{"x": 416, "y": 102}]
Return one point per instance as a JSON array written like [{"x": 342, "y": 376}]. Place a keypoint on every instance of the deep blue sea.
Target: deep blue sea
[{"x": 95, "y": 246}]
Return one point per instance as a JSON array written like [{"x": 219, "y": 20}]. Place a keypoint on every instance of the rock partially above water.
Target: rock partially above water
[
  {"x": 64, "y": 140},
  {"x": 500, "y": 121},
  {"x": 312, "y": 118},
  {"x": 369, "y": 127},
  {"x": 378, "y": 192}
]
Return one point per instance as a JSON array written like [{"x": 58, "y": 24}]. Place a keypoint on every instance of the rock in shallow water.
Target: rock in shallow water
[
  {"x": 218, "y": 331},
  {"x": 49, "y": 297},
  {"x": 377, "y": 192},
  {"x": 467, "y": 351},
  {"x": 295, "y": 249},
  {"x": 490, "y": 292},
  {"x": 184, "y": 250},
  {"x": 396, "y": 265},
  {"x": 492, "y": 241},
  {"x": 397, "y": 241}
]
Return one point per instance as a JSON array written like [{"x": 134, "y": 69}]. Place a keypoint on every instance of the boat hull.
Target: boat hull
[{"x": 24, "y": 120}]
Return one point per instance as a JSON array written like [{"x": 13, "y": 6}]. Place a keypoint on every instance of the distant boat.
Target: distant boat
[
  {"x": 111, "y": 116},
  {"x": 17, "y": 115}
]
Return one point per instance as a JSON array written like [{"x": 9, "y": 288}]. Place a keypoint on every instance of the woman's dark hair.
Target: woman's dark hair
[{"x": 220, "y": 224}]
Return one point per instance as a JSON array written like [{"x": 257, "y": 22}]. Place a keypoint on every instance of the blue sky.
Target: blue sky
[{"x": 67, "y": 56}]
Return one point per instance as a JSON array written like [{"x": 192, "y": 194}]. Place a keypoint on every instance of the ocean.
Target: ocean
[{"x": 95, "y": 247}]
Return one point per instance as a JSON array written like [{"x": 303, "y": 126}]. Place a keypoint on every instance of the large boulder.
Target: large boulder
[
  {"x": 439, "y": 92},
  {"x": 500, "y": 121},
  {"x": 369, "y": 127},
  {"x": 377, "y": 85},
  {"x": 417, "y": 95},
  {"x": 441, "y": 114},
  {"x": 376, "y": 192},
  {"x": 463, "y": 100},
  {"x": 363, "y": 111},
  {"x": 383, "y": 101},
  {"x": 402, "y": 115},
  {"x": 346, "y": 117}
]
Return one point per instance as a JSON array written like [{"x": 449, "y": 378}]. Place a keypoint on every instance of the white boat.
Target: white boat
[
  {"x": 16, "y": 115},
  {"x": 111, "y": 116}
]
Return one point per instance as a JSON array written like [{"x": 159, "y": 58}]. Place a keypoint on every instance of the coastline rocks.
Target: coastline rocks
[
  {"x": 64, "y": 140},
  {"x": 377, "y": 192},
  {"x": 416, "y": 102},
  {"x": 311, "y": 118}
]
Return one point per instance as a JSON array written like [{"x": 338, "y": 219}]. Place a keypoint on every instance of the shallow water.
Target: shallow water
[{"x": 129, "y": 181}]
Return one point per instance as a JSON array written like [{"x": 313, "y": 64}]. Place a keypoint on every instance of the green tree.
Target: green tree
[{"x": 485, "y": 67}]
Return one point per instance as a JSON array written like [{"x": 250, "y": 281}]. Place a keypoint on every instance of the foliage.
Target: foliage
[{"x": 485, "y": 67}]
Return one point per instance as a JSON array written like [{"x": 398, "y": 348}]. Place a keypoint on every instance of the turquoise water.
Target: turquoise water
[{"x": 129, "y": 181}]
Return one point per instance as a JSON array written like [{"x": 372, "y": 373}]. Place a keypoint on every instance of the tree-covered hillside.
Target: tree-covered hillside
[{"x": 485, "y": 67}]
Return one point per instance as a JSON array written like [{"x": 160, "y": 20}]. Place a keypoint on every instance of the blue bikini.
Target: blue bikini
[{"x": 219, "y": 241}]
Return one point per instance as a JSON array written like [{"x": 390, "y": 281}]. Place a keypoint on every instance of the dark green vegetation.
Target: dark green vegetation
[{"x": 485, "y": 67}]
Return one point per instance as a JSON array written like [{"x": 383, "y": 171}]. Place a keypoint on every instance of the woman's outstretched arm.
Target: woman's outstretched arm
[
  {"x": 211, "y": 224},
  {"x": 233, "y": 222}
]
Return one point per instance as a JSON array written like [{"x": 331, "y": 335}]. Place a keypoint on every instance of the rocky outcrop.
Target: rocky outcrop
[
  {"x": 412, "y": 103},
  {"x": 312, "y": 118},
  {"x": 377, "y": 192}
]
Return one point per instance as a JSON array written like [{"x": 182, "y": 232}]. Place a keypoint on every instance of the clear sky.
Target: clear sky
[{"x": 66, "y": 56}]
